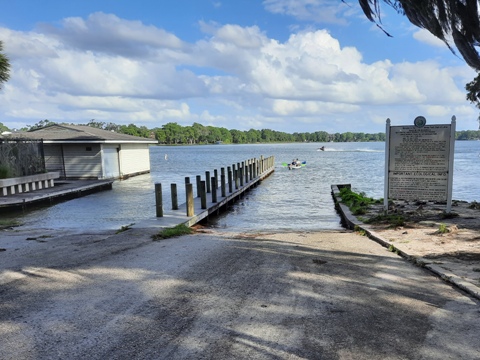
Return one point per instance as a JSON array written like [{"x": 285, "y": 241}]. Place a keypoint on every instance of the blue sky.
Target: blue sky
[{"x": 293, "y": 66}]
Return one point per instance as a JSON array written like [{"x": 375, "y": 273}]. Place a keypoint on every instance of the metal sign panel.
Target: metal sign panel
[{"x": 419, "y": 162}]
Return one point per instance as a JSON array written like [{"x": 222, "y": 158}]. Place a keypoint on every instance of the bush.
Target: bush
[{"x": 5, "y": 172}]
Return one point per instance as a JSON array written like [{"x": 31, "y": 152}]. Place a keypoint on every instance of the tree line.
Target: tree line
[{"x": 175, "y": 134}]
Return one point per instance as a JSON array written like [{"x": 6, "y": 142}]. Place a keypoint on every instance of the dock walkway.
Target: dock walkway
[{"x": 62, "y": 190}]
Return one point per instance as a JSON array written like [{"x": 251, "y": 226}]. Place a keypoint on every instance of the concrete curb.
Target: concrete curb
[{"x": 351, "y": 222}]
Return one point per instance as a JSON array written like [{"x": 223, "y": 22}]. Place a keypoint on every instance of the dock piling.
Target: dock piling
[
  {"x": 198, "y": 178},
  {"x": 174, "y": 194},
  {"x": 158, "y": 199},
  {"x": 207, "y": 180},
  {"x": 203, "y": 195},
  {"x": 214, "y": 190},
  {"x": 190, "y": 203},
  {"x": 243, "y": 176}
]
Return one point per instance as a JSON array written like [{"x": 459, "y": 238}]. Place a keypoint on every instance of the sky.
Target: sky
[{"x": 285, "y": 65}]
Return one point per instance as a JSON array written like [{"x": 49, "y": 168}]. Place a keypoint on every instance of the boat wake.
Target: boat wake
[{"x": 351, "y": 150}]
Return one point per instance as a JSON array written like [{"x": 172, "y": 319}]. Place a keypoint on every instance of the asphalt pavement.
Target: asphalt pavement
[{"x": 322, "y": 295}]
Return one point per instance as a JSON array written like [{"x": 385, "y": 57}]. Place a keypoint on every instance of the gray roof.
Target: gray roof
[{"x": 80, "y": 134}]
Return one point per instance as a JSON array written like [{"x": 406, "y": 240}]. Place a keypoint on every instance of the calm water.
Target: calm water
[{"x": 296, "y": 199}]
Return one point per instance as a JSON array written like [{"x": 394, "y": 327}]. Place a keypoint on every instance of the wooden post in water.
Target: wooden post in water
[
  {"x": 158, "y": 199},
  {"x": 207, "y": 180},
  {"x": 198, "y": 178},
  {"x": 242, "y": 173},
  {"x": 173, "y": 191},
  {"x": 203, "y": 195},
  {"x": 222, "y": 179},
  {"x": 229, "y": 177},
  {"x": 187, "y": 181},
  {"x": 251, "y": 169},
  {"x": 234, "y": 175},
  {"x": 190, "y": 203},
  {"x": 214, "y": 190}
]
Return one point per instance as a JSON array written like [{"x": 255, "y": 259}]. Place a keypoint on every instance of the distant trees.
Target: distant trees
[
  {"x": 3, "y": 128},
  {"x": 175, "y": 134},
  {"x": 40, "y": 124},
  {"x": 468, "y": 135}
]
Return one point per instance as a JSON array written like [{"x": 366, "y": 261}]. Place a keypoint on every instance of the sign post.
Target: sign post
[{"x": 419, "y": 162}]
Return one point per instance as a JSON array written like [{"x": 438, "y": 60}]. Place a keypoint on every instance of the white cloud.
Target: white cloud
[
  {"x": 122, "y": 71},
  {"x": 426, "y": 37},
  {"x": 321, "y": 11}
]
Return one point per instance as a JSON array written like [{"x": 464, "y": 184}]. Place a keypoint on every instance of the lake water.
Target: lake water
[{"x": 286, "y": 200}]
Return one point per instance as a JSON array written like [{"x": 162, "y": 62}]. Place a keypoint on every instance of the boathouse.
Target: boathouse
[{"x": 85, "y": 152}]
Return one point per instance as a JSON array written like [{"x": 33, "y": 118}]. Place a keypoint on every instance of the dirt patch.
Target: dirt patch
[{"x": 431, "y": 233}]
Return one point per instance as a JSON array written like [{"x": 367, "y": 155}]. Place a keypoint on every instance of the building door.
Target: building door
[{"x": 111, "y": 168}]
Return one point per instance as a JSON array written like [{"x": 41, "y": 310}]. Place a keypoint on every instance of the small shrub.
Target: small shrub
[
  {"x": 474, "y": 205},
  {"x": 442, "y": 229},
  {"x": 450, "y": 215}
]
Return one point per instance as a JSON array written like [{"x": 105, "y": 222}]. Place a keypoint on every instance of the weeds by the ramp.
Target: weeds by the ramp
[
  {"x": 175, "y": 231},
  {"x": 8, "y": 223},
  {"x": 358, "y": 203},
  {"x": 124, "y": 228}
]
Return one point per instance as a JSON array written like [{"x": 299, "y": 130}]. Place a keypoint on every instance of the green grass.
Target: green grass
[
  {"x": 175, "y": 231},
  {"x": 357, "y": 203},
  {"x": 6, "y": 223}
]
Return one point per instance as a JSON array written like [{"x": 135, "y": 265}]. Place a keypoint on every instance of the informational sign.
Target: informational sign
[{"x": 419, "y": 161}]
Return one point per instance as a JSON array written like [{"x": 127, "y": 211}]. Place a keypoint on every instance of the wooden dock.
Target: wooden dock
[
  {"x": 249, "y": 174},
  {"x": 62, "y": 190}
]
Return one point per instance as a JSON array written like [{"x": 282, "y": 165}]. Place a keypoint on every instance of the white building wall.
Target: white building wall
[{"x": 134, "y": 159}]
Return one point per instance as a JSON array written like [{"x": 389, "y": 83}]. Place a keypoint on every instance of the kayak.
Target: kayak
[{"x": 295, "y": 165}]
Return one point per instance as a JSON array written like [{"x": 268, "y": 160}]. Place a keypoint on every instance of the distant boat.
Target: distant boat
[
  {"x": 295, "y": 164},
  {"x": 321, "y": 148}
]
